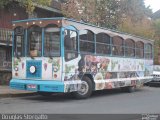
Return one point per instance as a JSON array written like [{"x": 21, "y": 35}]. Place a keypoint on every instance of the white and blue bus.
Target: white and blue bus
[{"x": 60, "y": 55}]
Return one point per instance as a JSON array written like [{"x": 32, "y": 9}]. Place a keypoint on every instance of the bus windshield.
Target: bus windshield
[
  {"x": 35, "y": 41},
  {"x": 52, "y": 41}
]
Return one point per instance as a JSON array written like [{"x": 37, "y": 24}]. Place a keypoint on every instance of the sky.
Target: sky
[{"x": 154, "y": 4}]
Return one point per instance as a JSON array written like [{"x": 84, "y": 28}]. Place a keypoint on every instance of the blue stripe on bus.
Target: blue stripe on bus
[
  {"x": 41, "y": 85},
  {"x": 34, "y": 19}
]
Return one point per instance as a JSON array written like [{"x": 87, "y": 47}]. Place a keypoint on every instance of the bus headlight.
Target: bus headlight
[
  {"x": 16, "y": 68},
  {"x": 55, "y": 69},
  {"x": 32, "y": 69}
]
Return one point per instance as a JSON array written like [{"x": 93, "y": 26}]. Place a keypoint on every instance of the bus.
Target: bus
[{"x": 61, "y": 55}]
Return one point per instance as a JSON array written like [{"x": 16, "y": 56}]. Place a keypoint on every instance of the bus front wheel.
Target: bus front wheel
[{"x": 85, "y": 90}]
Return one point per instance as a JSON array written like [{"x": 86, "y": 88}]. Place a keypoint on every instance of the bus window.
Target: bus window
[
  {"x": 19, "y": 42},
  {"x": 70, "y": 45},
  {"x": 103, "y": 44},
  {"x": 86, "y": 41},
  {"x": 117, "y": 46},
  {"x": 52, "y": 41},
  {"x": 129, "y": 48},
  {"x": 139, "y": 49},
  {"x": 148, "y": 51},
  {"x": 34, "y": 41}
]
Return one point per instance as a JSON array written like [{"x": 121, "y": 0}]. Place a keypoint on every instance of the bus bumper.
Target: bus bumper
[{"x": 37, "y": 85}]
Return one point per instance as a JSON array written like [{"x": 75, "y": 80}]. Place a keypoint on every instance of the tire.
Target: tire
[
  {"x": 46, "y": 94},
  {"x": 85, "y": 90},
  {"x": 124, "y": 89},
  {"x": 131, "y": 89},
  {"x": 128, "y": 89}
]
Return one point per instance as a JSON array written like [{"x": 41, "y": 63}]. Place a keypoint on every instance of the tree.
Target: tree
[
  {"x": 136, "y": 18},
  {"x": 88, "y": 10},
  {"x": 131, "y": 16},
  {"x": 70, "y": 9},
  {"x": 99, "y": 12},
  {"x": 136, "y": 9},
  {"x": 80, "y": 10},
  {"x": 108, "y": 13},
  {"x": 29, "y": 5},
  {"x": 142, "y": 28},
  {"x": 3, "y": 3},
  {"x": 156, "y": 25}
]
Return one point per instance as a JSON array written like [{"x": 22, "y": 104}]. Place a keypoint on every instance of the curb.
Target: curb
[{"x": 16, "y": 95}]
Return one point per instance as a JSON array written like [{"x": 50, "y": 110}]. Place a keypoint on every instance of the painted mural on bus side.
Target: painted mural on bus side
[
  {"x": 105, "y": 70},
  {"x": 103, "y": 67}
]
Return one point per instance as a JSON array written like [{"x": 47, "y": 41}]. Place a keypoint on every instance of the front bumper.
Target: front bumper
[{"x": 42, "y": 86}]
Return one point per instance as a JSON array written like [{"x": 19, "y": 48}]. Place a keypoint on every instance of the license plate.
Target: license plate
[{"x": 32, "y": 86}]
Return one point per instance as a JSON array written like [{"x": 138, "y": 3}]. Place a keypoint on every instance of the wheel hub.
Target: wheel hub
[{"x": 84, "y": 88}]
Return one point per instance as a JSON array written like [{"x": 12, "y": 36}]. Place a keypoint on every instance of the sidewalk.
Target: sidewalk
[{"x": 5, "y": 91}]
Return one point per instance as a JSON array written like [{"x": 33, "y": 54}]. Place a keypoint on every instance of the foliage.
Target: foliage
[
  {"x": 29, "y": 5},
  {"x": 156, "y": 25},
  {"x": 70, "y": 9},
  {"x": 3, "y": 3},
  {"x": 142, "y": 28},
  {"x": 136, "y": 18},
  {"x": 87, "y": 10},
  {"x": 99, "y": 12},
  {"x": 108, "y": 13},
  {"x": 135, "y": 9}
]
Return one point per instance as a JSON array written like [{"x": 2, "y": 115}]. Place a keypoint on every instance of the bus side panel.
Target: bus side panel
[
  {"x": 71, "y": 74},
  {"x": 107, "y": 72},
  {"x": 149, "y": 70},
  {"x": 114, "y": 72}
]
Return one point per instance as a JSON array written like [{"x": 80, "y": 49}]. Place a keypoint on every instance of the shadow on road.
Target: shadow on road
[
  {"x": 61, "y": 97},
  {"x": 118, "y": 91}
]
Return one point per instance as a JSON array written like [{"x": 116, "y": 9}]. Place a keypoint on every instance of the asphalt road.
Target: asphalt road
[{"x": 144, "y": 100}]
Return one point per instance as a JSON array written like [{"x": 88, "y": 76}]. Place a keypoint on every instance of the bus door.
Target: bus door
[{"x": 71, "y": 56}]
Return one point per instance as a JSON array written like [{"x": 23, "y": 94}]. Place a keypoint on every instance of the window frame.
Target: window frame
[
  {"x": 87, "y": 41},
  {"x": 140, "y": 49},
  {"x": 120, "y": 46},
  {"x": 149, "y": 51},
  {"x": 29, "y": 41},
  {"x": 130, "y": 47},
  {"x": 103, "y": 43},
  {"x": 44, "y": 49},
  {"x": 71, "y": 51}
]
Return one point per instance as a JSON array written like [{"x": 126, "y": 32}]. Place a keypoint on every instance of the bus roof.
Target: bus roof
[{"x": 83, "y": 23}]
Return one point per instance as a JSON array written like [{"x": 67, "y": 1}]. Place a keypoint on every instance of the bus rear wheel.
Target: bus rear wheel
[
  {"x": 131, "y": 89},
  {"x": 128, "y": 89},
  {"x": 85, "y": 90}
]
